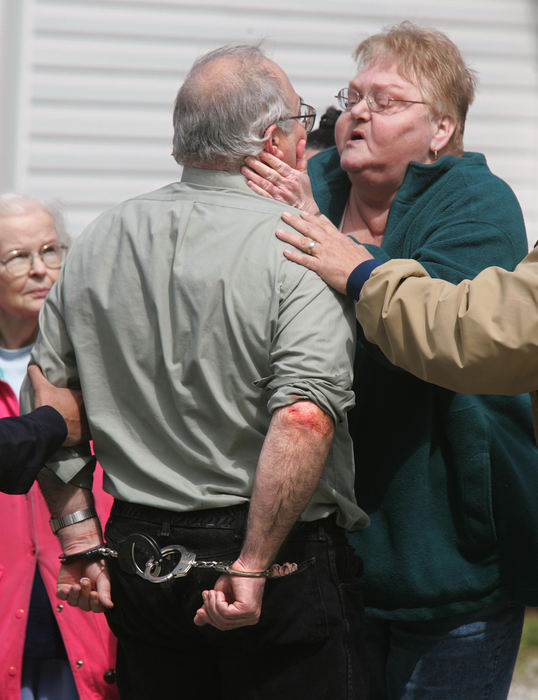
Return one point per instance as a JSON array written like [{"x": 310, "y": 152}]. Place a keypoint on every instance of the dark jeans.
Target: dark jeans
[{"x": 308, "y": 643}]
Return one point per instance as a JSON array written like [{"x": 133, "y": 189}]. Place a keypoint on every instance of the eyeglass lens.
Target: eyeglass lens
[{"x": 21, "y": 261}]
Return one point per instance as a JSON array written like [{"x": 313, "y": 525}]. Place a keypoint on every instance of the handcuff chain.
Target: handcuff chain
[
  {"x": 224, "y": 568},
  {"x": 216, "y": 565}
]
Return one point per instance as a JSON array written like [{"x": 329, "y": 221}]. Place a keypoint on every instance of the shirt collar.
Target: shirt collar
[{"x": 215, "y": 179}]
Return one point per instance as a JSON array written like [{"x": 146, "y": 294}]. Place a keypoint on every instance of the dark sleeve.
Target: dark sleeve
[
  {"x": 25, "y": 444},
  {"x": 358, "y": 278}
]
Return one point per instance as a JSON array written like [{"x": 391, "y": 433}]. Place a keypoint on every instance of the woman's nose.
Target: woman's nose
[
  {"x": 38, "y": 267},
  {"x": 360, "y": 110}
]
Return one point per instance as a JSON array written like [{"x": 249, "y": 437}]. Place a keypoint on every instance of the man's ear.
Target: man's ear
[
  {"x": 446, "y": 125},
  {"x": 300, "y": 155},
  {"x": 272, "y": 141}
]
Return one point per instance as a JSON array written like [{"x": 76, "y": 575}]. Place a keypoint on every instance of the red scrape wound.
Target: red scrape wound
[{"x": 308, "y": 415}]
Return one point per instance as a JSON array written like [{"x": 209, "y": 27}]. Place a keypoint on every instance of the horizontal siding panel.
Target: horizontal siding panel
[
  {"x": 129, "y": 88},
  {"x": 159, "y": 24},
  {"x": 98, "y": 55},
  {"x": 109, "y": 158},
  {"x": 331, "y": 36},
  {"x": 101, "y": 189},
  {"x": 104, "y": 74},
  {"x": 483, "y": 12},
  {"x": 93, "y": 121},
  {"x": 483, "y": 133}
]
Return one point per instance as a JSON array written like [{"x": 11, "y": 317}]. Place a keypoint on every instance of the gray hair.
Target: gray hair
[
  {"x": 15, "y": 204},
  {"x": 219, "y": 123}
]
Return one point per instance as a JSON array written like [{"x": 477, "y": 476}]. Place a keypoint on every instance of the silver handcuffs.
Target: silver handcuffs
[{"x": 174, "y": 560}]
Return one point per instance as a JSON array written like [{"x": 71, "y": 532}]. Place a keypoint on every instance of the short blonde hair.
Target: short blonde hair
[{"x": 431, "y": 61}]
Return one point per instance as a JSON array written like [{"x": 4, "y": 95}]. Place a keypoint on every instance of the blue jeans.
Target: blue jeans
[
  {"x": 309, "y": 640},
  {"x": 465, "y": 657}
]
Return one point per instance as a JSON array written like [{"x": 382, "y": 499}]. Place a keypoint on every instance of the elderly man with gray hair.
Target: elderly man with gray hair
[{"x": 216, "y": 377}]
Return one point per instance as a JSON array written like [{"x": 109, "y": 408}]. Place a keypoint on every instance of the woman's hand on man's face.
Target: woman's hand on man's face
[
  {"x": 271, "y": 177},
  {"x": 322, "y": 248}
]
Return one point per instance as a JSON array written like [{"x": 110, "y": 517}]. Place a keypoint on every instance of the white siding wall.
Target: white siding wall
[{"x": 96, "y": 80}]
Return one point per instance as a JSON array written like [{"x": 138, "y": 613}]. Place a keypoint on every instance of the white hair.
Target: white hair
[{"x": 15, "y": 204}]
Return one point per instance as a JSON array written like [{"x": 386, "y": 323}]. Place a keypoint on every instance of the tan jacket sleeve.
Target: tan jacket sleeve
[{"x": 478, "y": 337}]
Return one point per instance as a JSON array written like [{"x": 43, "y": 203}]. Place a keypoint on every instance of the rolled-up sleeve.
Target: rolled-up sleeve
[{"x": 312, "y": 347}]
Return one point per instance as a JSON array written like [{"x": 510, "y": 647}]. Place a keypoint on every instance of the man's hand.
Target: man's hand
[
  {"x": 234, "y": 602},
  {"x": 85, "y": 586},
  {"x": 68, "y": 402}
]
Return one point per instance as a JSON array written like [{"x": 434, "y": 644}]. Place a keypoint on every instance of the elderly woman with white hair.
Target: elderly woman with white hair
[
  {"x": 442, "y": 475},
  {"x": 47, "y": 650}
]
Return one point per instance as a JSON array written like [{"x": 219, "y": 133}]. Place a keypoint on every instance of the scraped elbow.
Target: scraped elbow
[{"x": 307, "y": 416}]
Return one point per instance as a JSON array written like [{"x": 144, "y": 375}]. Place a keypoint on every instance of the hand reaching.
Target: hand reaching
[
  {"x": 322, "y": 248},
  {"x": 273, "y": 178}
]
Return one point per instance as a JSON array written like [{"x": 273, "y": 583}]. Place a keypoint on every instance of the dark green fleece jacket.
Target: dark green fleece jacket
[{"x": 429, "y": 461}]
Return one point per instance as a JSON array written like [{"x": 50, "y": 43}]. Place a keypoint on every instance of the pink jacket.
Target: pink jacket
[{"x": 26, "y": 541}]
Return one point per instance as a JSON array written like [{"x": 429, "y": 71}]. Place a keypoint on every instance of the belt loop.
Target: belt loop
[
  {"x": 240, "y": 524},
  {"x": 165, "y": 528}
]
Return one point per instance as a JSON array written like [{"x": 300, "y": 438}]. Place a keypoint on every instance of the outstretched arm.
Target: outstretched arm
[
  {"x": 290, "y": 465},
  {"x": 475, "y": 337}
]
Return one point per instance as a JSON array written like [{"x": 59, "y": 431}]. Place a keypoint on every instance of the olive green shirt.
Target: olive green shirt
[{"x": 186, "y": 327}]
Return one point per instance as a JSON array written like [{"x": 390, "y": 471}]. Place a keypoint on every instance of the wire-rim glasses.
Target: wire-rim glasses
[
  {"x": 376, "y": 101},
  {"x": 20, "y": 262},
  {"x": 307, "y": 116}
]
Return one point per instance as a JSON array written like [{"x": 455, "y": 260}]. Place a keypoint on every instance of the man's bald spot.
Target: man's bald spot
[{"x": 220, "y": 75}]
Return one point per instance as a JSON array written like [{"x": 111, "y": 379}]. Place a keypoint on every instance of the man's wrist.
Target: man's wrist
[
  {"x": 57, "y": 524},
  {"x": 359, "y": 276}
]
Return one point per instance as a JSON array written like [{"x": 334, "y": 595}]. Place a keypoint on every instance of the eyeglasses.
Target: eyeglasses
[
  {"x": 376, "y": 101},
  {"x": 307, "y": 116},
  {"x": 20, "y": 262}
]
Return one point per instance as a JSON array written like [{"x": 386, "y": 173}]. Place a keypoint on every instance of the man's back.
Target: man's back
[{"x": 186, "y": 345}]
